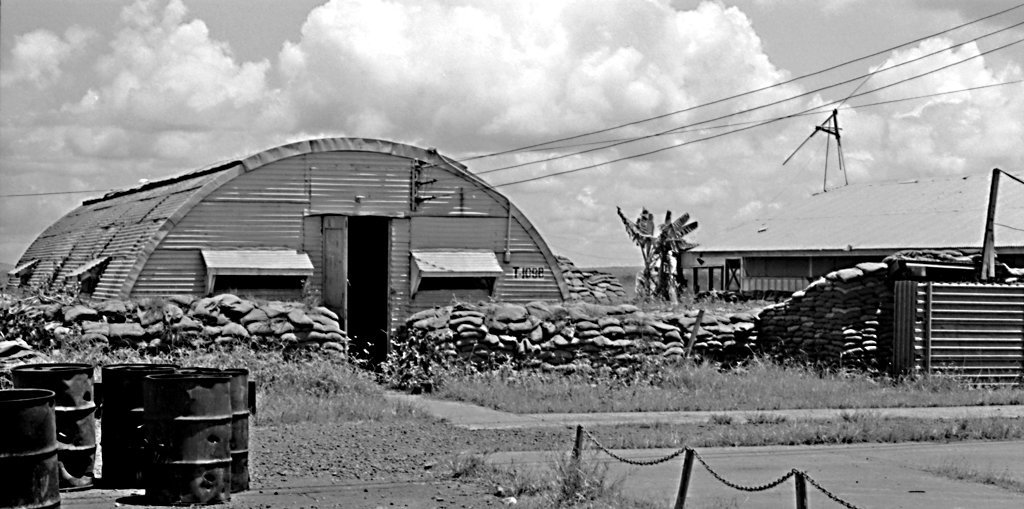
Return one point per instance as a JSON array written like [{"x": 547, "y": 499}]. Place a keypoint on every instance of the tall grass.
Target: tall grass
[
  {"x": 289, "y": 388},
  {"x": 762, "y": 385}
]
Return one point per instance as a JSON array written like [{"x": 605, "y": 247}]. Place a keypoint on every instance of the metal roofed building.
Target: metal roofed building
[
  {"x": 858, "y": 223},
  {"x": 379, "y": 229}
]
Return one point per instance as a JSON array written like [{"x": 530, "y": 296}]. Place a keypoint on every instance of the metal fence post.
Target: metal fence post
[
  {"x": 801, "y": 490},
  {"x": 684, "y": 479}
]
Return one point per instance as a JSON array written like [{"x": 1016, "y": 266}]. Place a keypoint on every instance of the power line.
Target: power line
[
  {"x": 807, "y": 113},
  {"x": 748, "y": 110},
  {"x": 749, "y": 92},
  {"x": 777, "y": 119}
]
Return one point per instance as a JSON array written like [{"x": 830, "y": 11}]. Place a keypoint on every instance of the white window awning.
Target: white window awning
[
  {"x": 88, "y": 266},
  {"x": 258, "y": 262},
  {"x": 255, "y": 263},
  {"x": 454, "y": 263},
  {"x": 23, "y": 269}
]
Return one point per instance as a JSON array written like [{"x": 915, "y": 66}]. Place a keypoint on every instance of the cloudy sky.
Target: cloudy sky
[{"x": 97, "y": 95}]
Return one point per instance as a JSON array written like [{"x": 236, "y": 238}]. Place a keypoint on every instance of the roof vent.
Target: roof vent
[{"x": 762, "y": 229}]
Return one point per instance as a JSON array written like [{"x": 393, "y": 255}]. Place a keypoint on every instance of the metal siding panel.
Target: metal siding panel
[
  {"x": 455, "y": 195},
  {"x": 170, "y": 271},
  {"x": 400, "y": 271},
  {"x": 976, "y": 332},
  {"x": 238, "y": 225},
  {"x": 312, "y": 244},
  {"x": 381, "y": 180}
]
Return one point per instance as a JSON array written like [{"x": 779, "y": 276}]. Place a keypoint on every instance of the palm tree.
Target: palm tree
[{"x": 657, "y": 279}]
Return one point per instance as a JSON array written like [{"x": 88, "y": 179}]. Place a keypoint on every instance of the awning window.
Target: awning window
[
  {"x": 24, "y": 272},
  {"x": 461, "y": 264},
  {"x": 255, "y": 263},
  {"x": 88, "y": 274},
  {"x": 23, "y": 269},
  {"x": 90, "y": 266}
]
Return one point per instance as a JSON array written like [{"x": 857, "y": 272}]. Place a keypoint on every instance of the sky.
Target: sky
[{"x": 101, "y": 94}]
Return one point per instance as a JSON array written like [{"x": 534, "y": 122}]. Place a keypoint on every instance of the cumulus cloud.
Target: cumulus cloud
[
  {"x": 38, "y": 55},
  {"x": 163, "y": 95}
]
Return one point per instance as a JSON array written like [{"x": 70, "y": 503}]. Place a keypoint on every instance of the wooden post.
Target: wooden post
[
  {"x": 696, "y": 280},
  {"x": 577, "y": 448},
  {"x": 693, "y": 332},
  {"x": 988, "y": 249},
  {"x": 801, "y": 491},
  {"x": 684, "y": 479}
]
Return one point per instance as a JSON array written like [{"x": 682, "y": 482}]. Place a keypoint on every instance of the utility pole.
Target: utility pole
[{"x": 988, "y": 249}]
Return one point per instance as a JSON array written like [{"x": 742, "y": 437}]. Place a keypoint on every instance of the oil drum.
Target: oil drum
[
  {"x": 239, "y": 387},
  {"x": 187, "y": 423},
  {"x": 28, "y": 449},
  {"x": 123, "y": 445},
  {"x": 74, "y": 412}
]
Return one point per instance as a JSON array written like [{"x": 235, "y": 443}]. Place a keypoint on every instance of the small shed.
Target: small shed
[
  {"x": 801, "y": 241},
  {"x": 377, "y": 229}
]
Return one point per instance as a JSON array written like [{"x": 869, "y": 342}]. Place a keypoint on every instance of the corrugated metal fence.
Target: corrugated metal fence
[{"x": 966, "y": 330}]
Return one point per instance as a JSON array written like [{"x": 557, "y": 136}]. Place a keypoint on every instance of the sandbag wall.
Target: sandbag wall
[
  {"x": 186, "y": 321},
  {"x": 557, "y": 336},
  {"x": 842, "y": 318},
  {"x": 591, "y": 286}
]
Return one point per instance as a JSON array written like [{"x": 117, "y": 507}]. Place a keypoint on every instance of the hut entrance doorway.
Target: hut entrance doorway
[{"x": 356, "y": 280}]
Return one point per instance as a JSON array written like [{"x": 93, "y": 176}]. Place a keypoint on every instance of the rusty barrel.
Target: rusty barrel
[
  {"x": 74, "y": 413},
  {"x": 239, "y": 387},
  {"x": 188, "y": 428},
  {"x": 28, "y": 449},
  {"x": 123, "y": 445}
]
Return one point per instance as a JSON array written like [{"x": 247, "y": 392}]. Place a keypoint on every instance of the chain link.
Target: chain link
[
  {"x": 828, "y": 493},
  {"x": 716, "y": 475},
  {"x": 638, "y": 463},
  {"x": 762, "y": 487}
]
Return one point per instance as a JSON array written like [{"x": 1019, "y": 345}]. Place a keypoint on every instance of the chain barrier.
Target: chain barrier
[
  {"x": 762, "y": 487},
  {"x": 637, "y": 463},
  {"x": 828, "y": 493}
]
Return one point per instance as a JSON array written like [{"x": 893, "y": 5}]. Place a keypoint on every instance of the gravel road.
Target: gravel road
[{"x": 398, "y": 464}]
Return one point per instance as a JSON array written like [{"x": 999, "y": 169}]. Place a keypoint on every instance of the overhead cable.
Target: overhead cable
[
  {"x": 770, "y": 121},
  {"x": 749, "y": 92},
  {"x": 755, "y": 108}
]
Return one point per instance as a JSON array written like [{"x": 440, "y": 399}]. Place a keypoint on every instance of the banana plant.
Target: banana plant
[{"x": 659, "y": 250}]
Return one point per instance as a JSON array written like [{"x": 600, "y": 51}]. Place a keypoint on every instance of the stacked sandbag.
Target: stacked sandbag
[
  {"x": 182, "y": 320},
  {"x": 842, "y": 318},
  {"x": 566, "y": 336},
  {"x": 591, "y": 285}
]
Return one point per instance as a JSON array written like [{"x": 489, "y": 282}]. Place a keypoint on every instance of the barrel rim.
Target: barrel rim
[
  {"x": 137, "y": 366},
  {"x": 189, "y": 376},
  {"x": 52, "y": 367},
  {"x": 28, "y": 395}
]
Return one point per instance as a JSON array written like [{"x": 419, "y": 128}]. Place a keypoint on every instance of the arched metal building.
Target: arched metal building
[{"x": 379, "y": 229}]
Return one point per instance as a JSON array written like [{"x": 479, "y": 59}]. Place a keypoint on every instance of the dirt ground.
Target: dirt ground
[{"x": 373, "y": 464}]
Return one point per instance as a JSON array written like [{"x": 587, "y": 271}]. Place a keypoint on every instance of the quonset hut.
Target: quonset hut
[{"x": 379, "y": 229}]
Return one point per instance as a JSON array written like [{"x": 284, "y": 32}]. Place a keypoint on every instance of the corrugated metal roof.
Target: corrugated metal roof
[
  {"x": 921, "y": 214},
  {"x": 457, "y": 262},
  {"x": 258, "y": 262}
]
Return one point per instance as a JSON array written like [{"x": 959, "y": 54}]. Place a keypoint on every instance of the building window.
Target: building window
[
  {"x": 256, "y": 271},
  {"x": 88, "y": 275},
  {"x": 24, "y": 272},
  {"x": 455, "y": 269}
]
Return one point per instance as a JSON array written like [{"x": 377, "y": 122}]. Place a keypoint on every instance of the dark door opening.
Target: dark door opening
[{"x": 368, "y": 247}]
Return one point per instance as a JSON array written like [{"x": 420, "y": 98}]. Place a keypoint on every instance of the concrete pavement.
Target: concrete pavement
[
  {"x": 469, "y": 416},
  {"x": 891, "y": 476}
]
